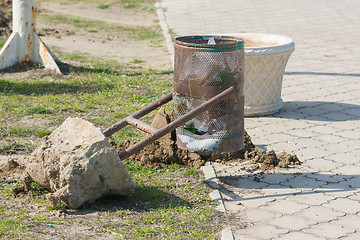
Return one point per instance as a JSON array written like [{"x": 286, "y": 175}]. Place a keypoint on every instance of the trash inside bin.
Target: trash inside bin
[{"x": 204, "y": 67}]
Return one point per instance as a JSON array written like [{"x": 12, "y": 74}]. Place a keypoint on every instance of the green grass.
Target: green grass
[
  {"x": 103, "y": 6},
  {"x": 143, "y": 32},
  {"x": 163, "y": 207},
  {"x": 101, "y": 92},
  {"x": 14, "y": 147},
  {"x": 136, "y": 61},
  {"x": 43, "y": 132},
  {"x": 131, "y": 3},
  {"x": 20, "y": 131}
]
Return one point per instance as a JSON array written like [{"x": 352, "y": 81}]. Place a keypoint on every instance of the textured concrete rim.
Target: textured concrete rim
[{"x": 212, "y": 180}]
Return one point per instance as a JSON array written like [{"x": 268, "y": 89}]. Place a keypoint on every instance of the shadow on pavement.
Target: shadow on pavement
[
  {"x": 318, "y": 111},
  {"x": 324, "y": 73},
  {"x": 275, "y": 185}
]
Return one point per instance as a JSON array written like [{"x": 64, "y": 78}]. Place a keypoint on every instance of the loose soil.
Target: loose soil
[{"x": 165, "y": 151}]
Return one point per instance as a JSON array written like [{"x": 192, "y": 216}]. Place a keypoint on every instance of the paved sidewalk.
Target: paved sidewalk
[{"x": 320, "y": 119}]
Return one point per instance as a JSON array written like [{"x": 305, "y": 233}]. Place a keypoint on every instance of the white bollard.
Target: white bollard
[{"x": 24, "y": 44}]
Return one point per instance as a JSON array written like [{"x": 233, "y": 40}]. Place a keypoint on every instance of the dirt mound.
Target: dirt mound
[
  {"x": 9, "y": 169},
  {"x": 165, "y": 151},
  {"x": 5, "y": 17}
]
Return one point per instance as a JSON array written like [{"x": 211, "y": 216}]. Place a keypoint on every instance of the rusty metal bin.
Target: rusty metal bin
[{"x": 205, "y": 66}]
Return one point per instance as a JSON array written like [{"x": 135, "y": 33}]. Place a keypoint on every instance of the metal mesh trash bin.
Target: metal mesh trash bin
[{"x": 204, "y": 67}]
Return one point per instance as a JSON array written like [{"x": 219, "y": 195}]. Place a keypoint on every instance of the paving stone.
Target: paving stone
[
  {"x": 344, "y": 158},
  {"x": 306, "y": 142},
  {"x": 345, "y": 205},
  {"x": 299, "y": 236},
  {"x": 280, "y": 192},
  {"x": 327, "y": 177},
  {"x": 353, "y": 236},
  {"x": 351, "y": 134},
  {"x": 322, "y": 129},
  {"x": 260, "y": 215},
  {"x": 291, "y": 222},
  {"x": 244, "y": 183},
  {"x": 330, "y": 138},
  {"x": 303, "y": 183},
  {"x": 338, "y": 148},
  {"x": 320, "y": 214},
  {"x": 311, "y": 198},
  {"x": 287, "y": 147},
  {"x": 314, "y": 152},
  {"x": 304, "y": 133},
  {"x": 348, "y": 170},
  {"x": 351, "y": 221},
  {"x": 254, "y": 202},
  {"x": 276, "y": 178},
  {"x": 284, "y": 207},
  {"x": 355, "y": 196},
  {"x": 343, "y": 125},
  {"x": 260, "y": 232},
  {"x": 322, "y": 164},
  {"x": 329, "y": 230}
]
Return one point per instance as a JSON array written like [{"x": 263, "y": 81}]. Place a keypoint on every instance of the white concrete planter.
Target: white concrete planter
[{"x": 266, "y": 56}]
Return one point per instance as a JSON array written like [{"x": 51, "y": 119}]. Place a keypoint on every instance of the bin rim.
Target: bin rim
[{"x": 200, "y": 43}]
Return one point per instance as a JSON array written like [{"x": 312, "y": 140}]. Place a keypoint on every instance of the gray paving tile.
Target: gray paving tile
[
  {"x": 329, "y": 230},
  {"x": 345, "y": 205},
  {"x": 320, "y": 214},
  {"x": 299, "y": 235},
  {"x": 292, "y": 222},
  {"x": 260, "y": 232}
]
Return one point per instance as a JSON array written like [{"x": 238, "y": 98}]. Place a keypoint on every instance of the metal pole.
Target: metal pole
[{"x": 24, "y": 44}]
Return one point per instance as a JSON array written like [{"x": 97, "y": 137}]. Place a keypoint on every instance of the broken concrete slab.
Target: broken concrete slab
[{"x": 78, "y": 165}]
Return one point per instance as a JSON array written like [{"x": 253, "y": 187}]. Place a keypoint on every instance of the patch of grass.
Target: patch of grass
[
  {"x": 148, "y": 9},
  {"x": 38, "y": 110},
  {"x": 14, "y": 148},
  {"x": 3, "y": 40},
  {"x": 103, "y": 6},
  {"x": 35, "y": 189},
  {"x": 131, "y": 3},
  {"x": 20, "y": 131},
  {"x": 136, "y": 61},
  {"x": 92, "y": 31},
  {"x": 143, "y": 32},
  {"x": 57, "y": 207},
  {"x": 74, "y": 21},
  {"x": 13, "y": 228},
  {"x": 6, "y": 189},
  {"x": 192, "y": 172},
  {"x": 43, "y": 132}
]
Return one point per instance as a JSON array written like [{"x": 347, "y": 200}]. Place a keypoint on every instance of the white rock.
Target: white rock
[{"x": 78, "y": 165}]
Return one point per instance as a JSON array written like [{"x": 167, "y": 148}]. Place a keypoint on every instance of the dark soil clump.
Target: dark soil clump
[{"x": 165, "y": 151}]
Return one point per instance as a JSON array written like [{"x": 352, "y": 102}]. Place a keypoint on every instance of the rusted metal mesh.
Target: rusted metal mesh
[{"x": 204, "y": 67}]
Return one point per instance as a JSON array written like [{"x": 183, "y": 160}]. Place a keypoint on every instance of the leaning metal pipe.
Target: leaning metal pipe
[
  {"x": 177, "y": 123},
  {"x": 142, "y": 112}
]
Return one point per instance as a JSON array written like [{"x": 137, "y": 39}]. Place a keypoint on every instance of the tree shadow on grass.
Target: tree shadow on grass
[
  {"x": 40, "y": 87},
  {"x": 145, "y": 199}
]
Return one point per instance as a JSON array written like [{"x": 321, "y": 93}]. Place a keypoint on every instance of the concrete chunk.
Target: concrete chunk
[{"x": 78, "y": 165}]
